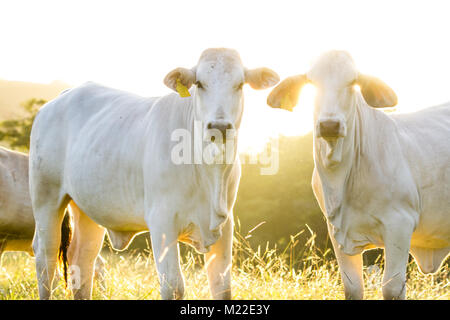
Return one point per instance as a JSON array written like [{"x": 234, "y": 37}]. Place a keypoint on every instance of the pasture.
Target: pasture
[
  {"x": 280, "y": 258},
  {"x": 260, "y": 273},
  {"x": 146, "y": 138}
]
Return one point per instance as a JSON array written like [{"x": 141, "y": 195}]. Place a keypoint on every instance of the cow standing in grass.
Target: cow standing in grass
[
  {"x": 16, "y": 216},
  {"x": 115, "y": 156},
  {"x": 381, "y": 180}
]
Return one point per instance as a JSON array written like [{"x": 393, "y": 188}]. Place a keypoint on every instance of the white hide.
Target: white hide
[
  {"x": 110, "y": 152},
  {"x": 385, "y": 182},
  {"x": 16, "y": 215}
]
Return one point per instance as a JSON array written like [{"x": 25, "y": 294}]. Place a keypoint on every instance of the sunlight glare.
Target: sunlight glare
[{"x": 134, "y": 46}]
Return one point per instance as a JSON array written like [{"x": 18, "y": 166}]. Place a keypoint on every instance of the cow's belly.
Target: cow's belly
[
  {"x": 107, "y": 215},
  {"x": 16, "y": 214},
  {"x": 103, "y": 176},
  {"x": 363, "y": 232},
  {"x": 110, "y": 201},
  {"x": 14, "y": 231},
  {"x": 14, "y": 238},
  {"x": 19, "y": 245},
  {"x": 106, "y": 204},
  {"x": 433, "y": 230},
  {"x": 16, "y": 224}
]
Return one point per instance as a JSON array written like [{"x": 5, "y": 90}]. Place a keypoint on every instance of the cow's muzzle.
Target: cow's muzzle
[
  {"x": 329, "y": 129},
  {"x": 219, "y": 130}
]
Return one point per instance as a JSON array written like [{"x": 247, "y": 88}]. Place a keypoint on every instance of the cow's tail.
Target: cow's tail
[{"x": 66, "y": 237}]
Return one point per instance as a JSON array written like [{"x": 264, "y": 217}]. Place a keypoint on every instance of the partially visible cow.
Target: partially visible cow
[
  {"x": 381, "y": 180},
  {"x": 16, "y": 215},
  {"x": 112, "y": 154}
]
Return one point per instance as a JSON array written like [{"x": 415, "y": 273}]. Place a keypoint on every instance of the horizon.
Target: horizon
[{"x": 136, "y": 45}]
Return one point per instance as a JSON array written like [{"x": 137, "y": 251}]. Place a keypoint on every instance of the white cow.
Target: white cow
[
  {"x": 16, "y": 215},
  {"x": 111, "y": 153},
  {"x": 381, "y": 180}
]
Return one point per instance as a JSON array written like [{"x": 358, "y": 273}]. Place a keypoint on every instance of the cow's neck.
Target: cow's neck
[
  {"x": 335, "y": 177},
  {"x": 217, "y": 176}
]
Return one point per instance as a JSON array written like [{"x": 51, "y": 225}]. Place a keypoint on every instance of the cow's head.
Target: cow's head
[
  {"x": 334, "y": 75},
  {"x": 219, "y": 77}
]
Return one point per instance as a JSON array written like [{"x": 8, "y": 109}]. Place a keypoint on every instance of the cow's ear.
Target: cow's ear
[
  {"x": 376, "y": 93},
  {"x": 285, "y": 94},
  {"x": 183, "y": 76},
  {"x": 261, "y": 78}
]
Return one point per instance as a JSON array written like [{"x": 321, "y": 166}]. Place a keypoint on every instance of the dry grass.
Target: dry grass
[{"x": 263, "y": 273}]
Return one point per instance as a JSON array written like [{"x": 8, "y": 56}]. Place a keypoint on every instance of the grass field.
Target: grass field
[{"x": 257, "y": 274}]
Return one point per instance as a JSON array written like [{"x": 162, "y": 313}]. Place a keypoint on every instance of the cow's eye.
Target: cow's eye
[
  {"x": 240, "y": 86},
  {"x": 199, "y": 85}
]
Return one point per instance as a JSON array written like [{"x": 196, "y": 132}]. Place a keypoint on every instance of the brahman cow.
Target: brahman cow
[
  {"x": 16, "y": 216},
  {"x": 112, "y": 154},
  {"x": 381, "y": 180}
]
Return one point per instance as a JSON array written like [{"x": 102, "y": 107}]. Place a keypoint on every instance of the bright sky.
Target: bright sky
[{"x": 131, "y": 45}]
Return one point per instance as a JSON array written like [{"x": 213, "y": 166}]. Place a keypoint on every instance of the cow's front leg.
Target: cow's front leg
[
  {"x": 397, "y": 239},
  {"x": 351, "y": 270},
  {"x": 218, "y": 263},
  {"x": 166, "y": 253}
]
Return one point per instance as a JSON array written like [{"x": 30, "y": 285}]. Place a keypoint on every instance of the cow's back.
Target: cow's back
[
  {"x": 86, "y": 115},
  {"x": 78, "y": 107},
  {"x": 427, "y": 130},
  {"x": 89, "y": 142}
]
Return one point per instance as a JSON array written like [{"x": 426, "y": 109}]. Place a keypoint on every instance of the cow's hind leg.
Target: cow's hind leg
[
  {"x": 218, "y": 264},
  {"x": 83, "y": 251},
  {"x": 48, "y": 211}
]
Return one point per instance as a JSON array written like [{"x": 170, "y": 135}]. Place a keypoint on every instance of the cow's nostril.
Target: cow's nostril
[
  {"x": 330, "y": 128},
  {"x": 222, "y": 127}
]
